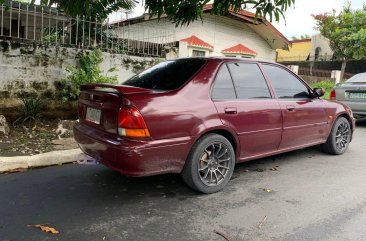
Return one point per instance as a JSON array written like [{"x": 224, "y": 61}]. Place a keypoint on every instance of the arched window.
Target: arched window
[{"x": 318, "y": 51}]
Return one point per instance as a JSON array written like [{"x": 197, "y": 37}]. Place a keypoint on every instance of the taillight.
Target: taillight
[
  {"x": 332, "y": 95},
  {"x": 131, "y": 123}
]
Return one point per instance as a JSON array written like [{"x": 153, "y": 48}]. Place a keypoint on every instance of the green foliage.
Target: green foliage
[
  {"x": 87, "y": 72},
  {"x": 303, "y": 36},
  {"x": 327, "y": 85},
  {"x": 53, "y": 34},
  {"x": 31, "y": 109},
  {"x": 346, "y": 32},
  {"x": 97, "y": 10},
  {"x": 181, "y": 12}
]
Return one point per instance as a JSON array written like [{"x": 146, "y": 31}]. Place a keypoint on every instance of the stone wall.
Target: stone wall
[{"x": 32, "y": 68}]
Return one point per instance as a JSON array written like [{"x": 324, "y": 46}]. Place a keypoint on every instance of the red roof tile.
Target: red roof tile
[
  {"x": 240, "y": 49},
  {"x": 194, "y": 41},
  {"x": 249, "y": 17}
]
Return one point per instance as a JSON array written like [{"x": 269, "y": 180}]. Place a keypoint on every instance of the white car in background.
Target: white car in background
[{"x": 352, "y": 93}]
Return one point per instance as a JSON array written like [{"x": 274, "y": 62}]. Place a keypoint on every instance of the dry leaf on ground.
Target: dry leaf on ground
[
  {"x": 44, "y": 228},
  {"x": 275, "y": 168},
  {"x": 262, "y": 222},
  {"x": 222, "y": 235}
]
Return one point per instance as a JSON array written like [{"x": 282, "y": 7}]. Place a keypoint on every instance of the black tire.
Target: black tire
[
  {"x": 219, "y": 155},
  {"x": 339, "y": 137}
]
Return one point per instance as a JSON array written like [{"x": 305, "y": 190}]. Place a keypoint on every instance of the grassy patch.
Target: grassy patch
[{"x": 326, "y": 85}]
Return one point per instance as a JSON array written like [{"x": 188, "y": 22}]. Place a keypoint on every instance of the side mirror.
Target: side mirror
[{"x": 318, "y": 92}]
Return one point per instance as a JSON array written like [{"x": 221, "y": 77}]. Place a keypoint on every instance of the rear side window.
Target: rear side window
[
  {"x": 223, "y": 88},
  {"x": 167, "y": 75},
  {"x": 285, "y": 84},
  {"x": 249, "y": 81}
]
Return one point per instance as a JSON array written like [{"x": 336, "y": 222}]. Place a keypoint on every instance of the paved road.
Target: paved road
[{"x": 315, "y": 197}]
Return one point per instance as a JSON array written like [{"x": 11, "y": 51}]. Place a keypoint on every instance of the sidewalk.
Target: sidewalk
[{"x": 40, "y": 160}]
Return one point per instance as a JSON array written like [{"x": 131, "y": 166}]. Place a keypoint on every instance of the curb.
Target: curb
[{"x": 41, "y": 160}]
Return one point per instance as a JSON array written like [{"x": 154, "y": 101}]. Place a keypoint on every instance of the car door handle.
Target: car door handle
[
  {"x": 290, "y": 107},
  {"x": 230, "y": 110}
]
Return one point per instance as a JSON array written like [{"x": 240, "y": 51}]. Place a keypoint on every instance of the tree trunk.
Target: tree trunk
[{"x": 343, "y": 68}]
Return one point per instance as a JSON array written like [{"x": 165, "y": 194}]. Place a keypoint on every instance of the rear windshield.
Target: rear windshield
[
  {"x": 357, "y": 78},
  {"x": 167, "y": 75}
]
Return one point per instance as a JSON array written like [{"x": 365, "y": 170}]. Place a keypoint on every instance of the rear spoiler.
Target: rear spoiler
[
  {"x": 123, "y": 89},
  {"x": 101, "y": 86}
]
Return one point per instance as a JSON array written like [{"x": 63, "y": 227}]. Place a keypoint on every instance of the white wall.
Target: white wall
[
  {"x": 221, "y": 32},
  {"x": 319, "y": 41}
]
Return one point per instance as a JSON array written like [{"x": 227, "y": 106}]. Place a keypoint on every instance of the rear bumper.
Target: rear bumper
[
  {"x": 133, "y": 157},
  {"x": 357, "y": 107}
]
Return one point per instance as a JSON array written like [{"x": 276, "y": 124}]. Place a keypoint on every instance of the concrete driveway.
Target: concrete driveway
[{"x": 311, "y": 196}]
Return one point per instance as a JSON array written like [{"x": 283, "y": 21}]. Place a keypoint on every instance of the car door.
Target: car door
[
  {"x": 304, "y": 117},
  {"x": 244, "y": 103}
]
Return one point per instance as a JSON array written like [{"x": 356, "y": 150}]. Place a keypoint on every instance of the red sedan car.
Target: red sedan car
[{"x": 200, "y": 116}]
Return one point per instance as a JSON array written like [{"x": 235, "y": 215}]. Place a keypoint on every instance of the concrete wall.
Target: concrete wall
[
  {"x": 221, "y": 32},
  {"x": 36, "y": 69},
  {"x": 323, "y": 43}
]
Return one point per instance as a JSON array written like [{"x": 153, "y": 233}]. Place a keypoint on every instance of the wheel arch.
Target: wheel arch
[
  {"x": 347, "y": 116},
  {"x": 232, "y": 138}
]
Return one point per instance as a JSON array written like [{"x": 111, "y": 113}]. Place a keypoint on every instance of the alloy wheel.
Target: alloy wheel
[
  {"x": 214, "y": 164},
  {"x": 342, "y": 136}
]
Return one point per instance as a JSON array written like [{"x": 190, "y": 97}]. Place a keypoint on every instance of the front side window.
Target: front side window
[
  {"x": 223, "y": 88},
  {"x": 167, "y": 75},
  {"x": 286, "y": 84},
  {"x": 249, "y": 81}
]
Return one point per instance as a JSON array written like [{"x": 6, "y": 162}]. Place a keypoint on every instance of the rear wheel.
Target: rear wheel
[
  {"x": 339, "y": 137},
  {"x": 210, "y": 164}
]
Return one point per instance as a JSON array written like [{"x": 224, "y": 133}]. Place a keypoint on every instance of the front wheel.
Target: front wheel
[
  {"x": 339, "y": 137},
  {"x": 210, "y": 164}
]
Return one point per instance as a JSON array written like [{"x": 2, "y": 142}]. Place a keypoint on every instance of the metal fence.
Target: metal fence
[
  {"x": 314, "y": 75},
  {"x": 315, "y": 72},
  {"x": 44, "y": 25},
  {"x": 325, "y": 57}
]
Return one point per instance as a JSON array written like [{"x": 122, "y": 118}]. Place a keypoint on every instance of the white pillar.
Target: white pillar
[
  {"x": 336, "y": 75},
  {"x": 294, "y": 68}
]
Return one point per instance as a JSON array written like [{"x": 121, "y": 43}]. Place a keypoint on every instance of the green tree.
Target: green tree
[
  {"x": 87, "y": 72},
  {"x": 178, "y": 11},
  {"x": 303, "y": 36},
  {"x": 183, "y": 12},
  {"x": 346, "y": 32}
]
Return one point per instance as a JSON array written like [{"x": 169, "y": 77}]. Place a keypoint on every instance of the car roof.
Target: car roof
[{"x": 222, "y": 58}]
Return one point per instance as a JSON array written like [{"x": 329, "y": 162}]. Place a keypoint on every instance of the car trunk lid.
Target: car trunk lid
[
  {"x": 355, "y": 91},
  {"x": 99, "y": 104}
]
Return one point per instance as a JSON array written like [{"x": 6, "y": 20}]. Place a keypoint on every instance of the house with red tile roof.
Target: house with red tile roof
[{"x": 237, "y": 34}]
